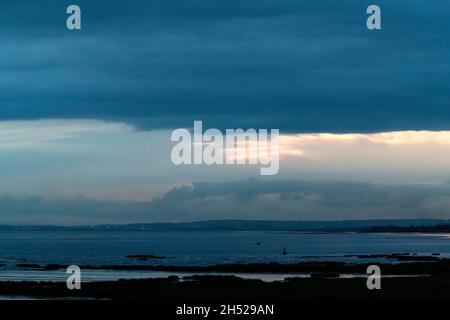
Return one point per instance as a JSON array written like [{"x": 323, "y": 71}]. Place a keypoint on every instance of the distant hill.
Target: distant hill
[{"x": 250, "y": 225}]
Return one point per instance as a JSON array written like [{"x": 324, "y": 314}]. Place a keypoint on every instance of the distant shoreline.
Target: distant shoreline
[{"x": 382, "y": 225}]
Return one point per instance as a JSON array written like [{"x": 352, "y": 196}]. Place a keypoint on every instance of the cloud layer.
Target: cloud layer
[
  {"x": 294, "y": 65},
  {"x": 248, "y": 199},
  {"x": 60, "y": 159},
  {"x": 34, "y": 134}
]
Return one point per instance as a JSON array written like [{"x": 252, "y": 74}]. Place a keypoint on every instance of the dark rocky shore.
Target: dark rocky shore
[
  {"x": 423, "y": 277},
  {"x": 228, "y": 288}
]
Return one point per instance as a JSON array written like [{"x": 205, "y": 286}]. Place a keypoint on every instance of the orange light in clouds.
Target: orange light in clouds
[
  {"x": 394, "y": 137},
  {"x": 291, "y": 145}
]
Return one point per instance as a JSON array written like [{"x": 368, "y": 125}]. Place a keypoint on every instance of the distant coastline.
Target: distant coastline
[
  {"x": 440, "y": 228},
  {"x": 380, "y": 225}
]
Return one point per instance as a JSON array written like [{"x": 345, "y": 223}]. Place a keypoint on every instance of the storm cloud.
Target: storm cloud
[
  {"x": 306, "y": 200},
  {"x": 300, "y": 66},
  {"x": 247, "y": 199}
]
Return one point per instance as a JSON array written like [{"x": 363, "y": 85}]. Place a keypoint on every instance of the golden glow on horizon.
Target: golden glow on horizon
[
  {"x": 393, "y": 137},
  {"x": 291, "y": 145},
  {"x": 294, "y": 145}
]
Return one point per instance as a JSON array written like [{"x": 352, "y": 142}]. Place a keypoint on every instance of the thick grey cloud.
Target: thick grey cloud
[
  {"x": 248, "y": 199},
  {"x": 294, "y": 65},
  {"x": 315, "y": 200}
]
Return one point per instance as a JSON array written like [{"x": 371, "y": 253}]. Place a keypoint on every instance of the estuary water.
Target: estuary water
[{"x": 195, "y": 249}]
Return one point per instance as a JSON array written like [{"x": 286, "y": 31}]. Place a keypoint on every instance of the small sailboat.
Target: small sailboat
[{"x": 284, "y": 251}]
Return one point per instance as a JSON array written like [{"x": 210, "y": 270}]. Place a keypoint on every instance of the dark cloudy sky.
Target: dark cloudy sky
[
  {"x": 291, "y": 64},
  {"x": 86, "y": 115}
]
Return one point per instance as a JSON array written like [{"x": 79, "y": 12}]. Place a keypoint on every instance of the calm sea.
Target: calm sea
[{"x": 194, "y": 248}]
